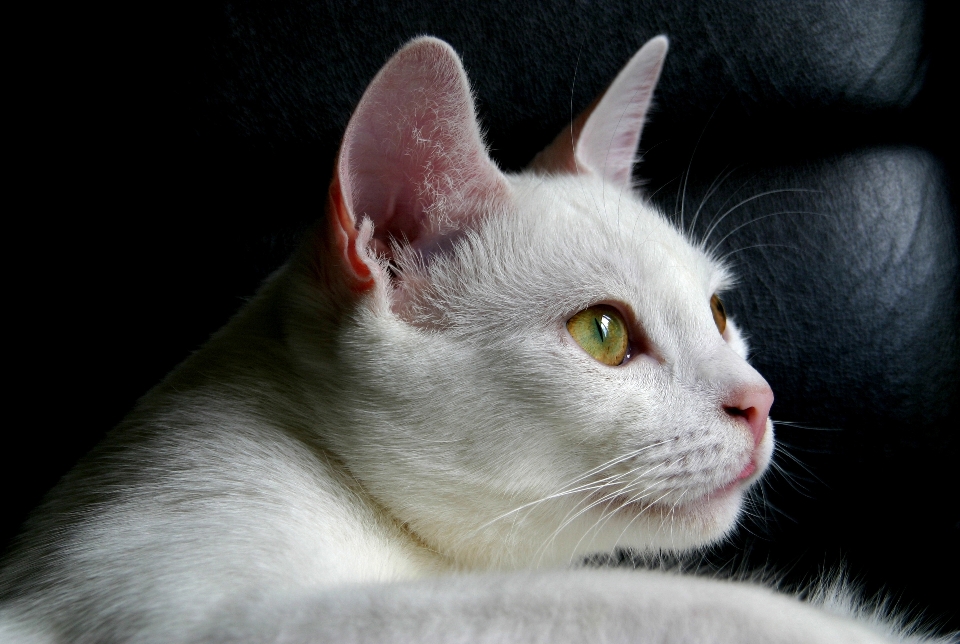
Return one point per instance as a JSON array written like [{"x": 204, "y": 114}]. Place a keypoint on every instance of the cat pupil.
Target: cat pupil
[{"x": 603, "y": 326}]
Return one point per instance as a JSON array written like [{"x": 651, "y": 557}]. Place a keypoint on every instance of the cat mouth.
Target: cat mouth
[
  {"x": 745, "y": 474},
  {"x": 741, "y": 482},
  {"x": 748, "y": 471},
  {"x": 634, "y": 505}
]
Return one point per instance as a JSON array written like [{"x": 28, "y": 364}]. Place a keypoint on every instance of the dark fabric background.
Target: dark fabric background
[{"x": 166, "y": 158}]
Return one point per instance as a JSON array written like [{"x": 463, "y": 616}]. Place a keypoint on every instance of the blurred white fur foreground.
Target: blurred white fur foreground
[
  {"x": 564, "y": 606},
  {"x": 550, "y": 607}
]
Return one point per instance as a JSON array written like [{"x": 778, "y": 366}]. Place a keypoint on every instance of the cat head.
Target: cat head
[{"x": 522, "y": 369}]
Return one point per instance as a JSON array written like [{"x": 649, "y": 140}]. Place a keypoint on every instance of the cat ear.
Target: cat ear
[
  {"x": 412, "y": 169},
  {"x": 603, "y": 139}
]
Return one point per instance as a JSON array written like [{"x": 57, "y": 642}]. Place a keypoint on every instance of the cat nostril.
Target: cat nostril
[{"x": 752, "y": 404}]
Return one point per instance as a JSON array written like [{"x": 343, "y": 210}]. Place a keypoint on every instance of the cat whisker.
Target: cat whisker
[
  {"x": 759, "y": 493},
  {"x": 632, "y": 498},
  {"x": 768, "y": 505},
  {"x": 669, "y": 515},
  {"x": 788, "y": 476},
  {"x": 672, "y": 508},
  {"x": 636, "y": 497},
  {"x": 723, "y": 259},
  {"x": 745, "y": 526},
  {"x": 718, "y": 181},
  {"x": 781, "y": 449},
  {"x": 730, "y": 197},
  {"x": 752, "y": 514},
  {"x": 761, "y": 218},
  {"x": 619, "y": 459},
  {"x": 743, "y": 202},
  {"x": 573, "y": 87},
  {"x": 606, "y": 516},
  {"x": 567, "y": 490},
  {"x": 803, "y": 426},
  {"x": 638, "y": 515},
  {"x": 693, "y": 155},
  {"x": 556, "y": 495},
  {"x": 665, "y": 184},
  {"x": 752, "y": 508},
  {"x": 567, "y": 520},
  {"x": 793, "y": 480},
  {"x": 678, "y": 203},
  {"x": 808, "y": 450}
]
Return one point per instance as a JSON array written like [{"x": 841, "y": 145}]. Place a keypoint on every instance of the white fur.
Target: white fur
[{"x": 343, "y": 467}]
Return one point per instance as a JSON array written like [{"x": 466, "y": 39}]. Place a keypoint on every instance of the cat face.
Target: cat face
[{"x": 466, "y": 401}]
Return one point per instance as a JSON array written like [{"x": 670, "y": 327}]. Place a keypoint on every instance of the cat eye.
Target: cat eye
[
  {"x": 602, "y": 332},
  {"x": 719, "y": 314}
]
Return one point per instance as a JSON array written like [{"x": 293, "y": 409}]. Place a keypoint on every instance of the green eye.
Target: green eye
[{"x": 602, "y": 332}]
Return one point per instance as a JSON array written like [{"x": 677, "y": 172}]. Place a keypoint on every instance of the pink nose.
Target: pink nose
[{"x": 752, "y": 404}]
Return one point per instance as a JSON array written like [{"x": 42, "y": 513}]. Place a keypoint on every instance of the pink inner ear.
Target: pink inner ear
[
  {"x": 603, "y": 139},
  {"x": 412, "y": 159},
  {"x": 609, "y": 140}
]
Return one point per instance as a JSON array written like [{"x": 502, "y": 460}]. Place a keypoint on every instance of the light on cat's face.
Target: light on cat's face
[{"x": 602, "y": 332}]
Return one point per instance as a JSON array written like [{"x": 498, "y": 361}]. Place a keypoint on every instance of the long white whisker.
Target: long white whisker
[
  {"x": 789, "y": 478},
  {"x": 714, "y": 186},
  {"x": 693, "y": 154},
  {"x": 636, "y": 497},
  {"x": 567, "y": 490},
  {"x": 723, "y": 259},
  {"x": 619, "y": 459},
  {"x": 599, "y": 523},
  {"x": 720, "y": 219},
  {"x": 669, "y": 516},
  {"x": 782, "y": 450},
  {"x": 607, "y": 498},
  {"x": 665, "y": 184},
  {"x": 762, "y": 217},
  {"x": 792, "y": 424},
  {"x": 567, "y": 520},
  {"x": 639, "y": 514},
  {"x": 622, "y": 490},
  {"x": 556, "y": 495}
]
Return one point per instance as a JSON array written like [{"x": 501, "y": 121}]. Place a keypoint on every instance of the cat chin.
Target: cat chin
[
  {"x": 692, "y": 524},
  {"x": 652, "y": 527},
  {"x": 614, "y": 525}
]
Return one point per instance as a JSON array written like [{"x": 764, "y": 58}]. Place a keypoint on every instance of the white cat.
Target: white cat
[{"x": 463, "y": 384}]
